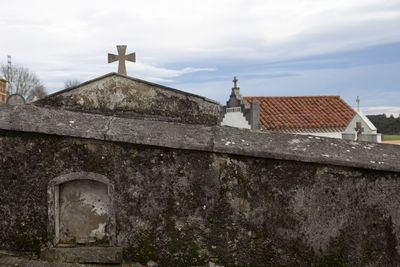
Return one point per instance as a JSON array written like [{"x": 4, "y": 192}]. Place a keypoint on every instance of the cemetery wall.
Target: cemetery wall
[{"x": 231, "y": 196}]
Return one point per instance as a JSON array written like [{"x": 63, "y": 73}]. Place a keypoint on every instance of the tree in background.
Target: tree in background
[
  {"x": 71, "y": 83},
  {"x": 23, "y": 81},
  {"x": 385, "y": 125},
  {"x": 38, "y": 92}
]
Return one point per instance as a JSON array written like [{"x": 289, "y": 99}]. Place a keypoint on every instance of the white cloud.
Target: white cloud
[
  {"x": 153, "y": 73},
  {"x": 72, "y": 38},
  {"x": 381, "y": 110}
]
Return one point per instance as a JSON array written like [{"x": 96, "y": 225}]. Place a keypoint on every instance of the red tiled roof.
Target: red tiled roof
[{"x": 303, "y": 111}]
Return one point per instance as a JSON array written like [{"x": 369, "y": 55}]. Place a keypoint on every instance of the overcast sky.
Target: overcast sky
[{"x": 274, "y": 47}]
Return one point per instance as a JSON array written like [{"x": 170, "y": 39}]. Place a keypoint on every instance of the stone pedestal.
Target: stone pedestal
[{"x": 101, "y": 255}]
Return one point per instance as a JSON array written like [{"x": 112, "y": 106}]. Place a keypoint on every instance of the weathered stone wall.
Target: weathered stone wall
[
  {"x": 129, "y": 97},
  {"x": 187, "y": 194},
  {"x": 184, "y": 208}
]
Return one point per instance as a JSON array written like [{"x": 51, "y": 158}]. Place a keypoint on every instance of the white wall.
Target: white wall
[
  {"x": 369, "y": 128},
  {"x": 235, "y": 119}
]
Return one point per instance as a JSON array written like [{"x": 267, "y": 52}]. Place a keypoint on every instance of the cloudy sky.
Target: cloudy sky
[{"x": 274, "y": 47}]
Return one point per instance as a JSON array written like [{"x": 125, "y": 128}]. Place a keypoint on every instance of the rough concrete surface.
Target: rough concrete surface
[
  {"x": 187, "y": 194},
  {"x": 101, "y": 255},
  {"x": 199, "y": 137},
  {"x": 185, "y": 207},
  {"x": 7, "y": 261},
  {"x": 14, "y": 260}
]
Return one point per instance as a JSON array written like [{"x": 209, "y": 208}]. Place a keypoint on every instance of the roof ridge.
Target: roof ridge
[
  {"x": 311, "y": 96},
  {"x": 132, "y": 79}
]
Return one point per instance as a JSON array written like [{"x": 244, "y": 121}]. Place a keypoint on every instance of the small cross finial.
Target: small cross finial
[
  {"x": 121, "y": 58},
  {"x": 234, "y": 82},
  {"x": 358, "y": 104}
]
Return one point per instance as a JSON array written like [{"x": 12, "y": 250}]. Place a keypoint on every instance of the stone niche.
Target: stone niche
[{"x": 81, "y": 211}]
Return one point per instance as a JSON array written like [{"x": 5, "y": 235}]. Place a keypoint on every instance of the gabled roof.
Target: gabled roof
[
  {"x": 367, "y": 121},
  {"x": 300, "y": 112},
  {"x": 366, "y": 124},
  {"x": 121, "y": 95},
  {"x": 132, "y": 79}
]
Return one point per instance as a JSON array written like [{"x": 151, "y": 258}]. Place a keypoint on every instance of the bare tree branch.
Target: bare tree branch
[
  {"x": 71, "y": 83},
  {"x": 36, "y": 94},
  {"x": 22, "y": 81}
]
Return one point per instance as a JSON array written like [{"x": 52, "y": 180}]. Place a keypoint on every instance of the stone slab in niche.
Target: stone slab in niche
[
  {"x": 81, "y": 210},
  {"x": 84, "y": 212}
]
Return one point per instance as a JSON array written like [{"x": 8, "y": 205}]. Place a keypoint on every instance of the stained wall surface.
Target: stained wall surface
[
  {"x": 125, "y": 96},
  {"x": 185, "y": 207}
]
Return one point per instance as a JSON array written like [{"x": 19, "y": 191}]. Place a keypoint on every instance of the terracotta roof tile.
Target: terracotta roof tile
[{"x": 303, "y": 111}]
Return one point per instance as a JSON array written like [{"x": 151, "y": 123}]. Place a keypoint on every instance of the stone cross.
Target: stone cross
[
  {"x": 358, "y": 104},
  {"x": 234, "y": 82},
  {"x": 121, "y": 58},
  {"x": 359, "y": 130}
]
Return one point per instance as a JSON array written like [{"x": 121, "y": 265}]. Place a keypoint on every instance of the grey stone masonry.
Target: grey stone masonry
[
  {"x": 125, "y": 96},
  {"x": 187, "y": 195},
  {"x": 202, "y": 138},
  {"x": 15, "y": 99}
]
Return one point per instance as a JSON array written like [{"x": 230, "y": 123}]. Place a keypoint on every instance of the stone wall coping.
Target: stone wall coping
[{"x": 217, "y": 139}]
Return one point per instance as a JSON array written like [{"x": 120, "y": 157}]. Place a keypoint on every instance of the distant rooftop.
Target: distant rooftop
[{"x": 303, "y": 112}]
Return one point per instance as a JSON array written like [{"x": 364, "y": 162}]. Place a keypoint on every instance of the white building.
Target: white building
[
  {"x": 326, "y": 116},
  {"x": 361, "y": 128}
]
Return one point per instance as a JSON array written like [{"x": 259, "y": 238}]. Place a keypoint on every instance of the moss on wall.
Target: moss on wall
[
  {"x": 130, "y": 97},
  {"x": 185, "y": 208}
]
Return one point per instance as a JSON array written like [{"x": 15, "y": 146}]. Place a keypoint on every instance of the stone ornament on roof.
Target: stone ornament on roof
[
  {"x": 236, "y": 90},
  {"x": 235, "y": 80},
  {"x": 121, "y": 58},
  {"x": 16, "y": 100}
]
